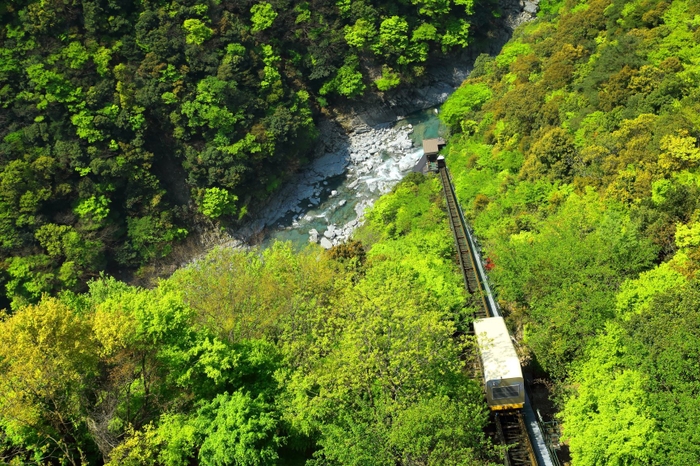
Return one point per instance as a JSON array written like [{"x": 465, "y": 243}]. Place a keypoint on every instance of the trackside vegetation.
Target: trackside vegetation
[
  {"x": 350, "y": 356},
  {"x": 575, "y": 153}
]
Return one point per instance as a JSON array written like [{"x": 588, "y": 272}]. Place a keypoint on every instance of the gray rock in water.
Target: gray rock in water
[
  {"x": 330, "y": 232},
  {"x": 530, "y": 7},
  {"x": 342, "y": 203},
  {"x": 334, "y": 193},
  {"x": 326, "y": 243},
  {"x": 313, "y": 235}
]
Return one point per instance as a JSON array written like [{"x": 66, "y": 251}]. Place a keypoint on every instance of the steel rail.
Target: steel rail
[
  {"x": 511, "y": 429},
  {"x": 468, "y": 261}
]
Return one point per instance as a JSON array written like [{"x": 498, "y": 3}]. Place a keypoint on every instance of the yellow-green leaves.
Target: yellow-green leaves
[
  {"x": 360, "y": 34},
  {"x": 465, "y": 100},
  {"x": 197, "y": 31},
  {"x": 608, "y": 420},
  {"x": 217, "y": 202},
  {"x": 389, "y": 79},
  {"x": 48, "y": 360},
  {"x": 262, "y": 16},
  {"x": 680, "y": 151}
]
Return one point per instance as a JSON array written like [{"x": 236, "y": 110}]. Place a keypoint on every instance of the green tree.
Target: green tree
[
  {"x": 389, "y": 79},
  {"x": 217, "y": 202},
  {"x": 197, "y": 31},
  {"x": 608, "y": 420},
  {"x": 393, "y": 36},
  {"x": 262, "y": 16},
  {"x": 348, "y": 81},
  {"x": 466, "y": 99},
  {"x": 361, "y": 34},
  {"x": 48, "y": 362}
]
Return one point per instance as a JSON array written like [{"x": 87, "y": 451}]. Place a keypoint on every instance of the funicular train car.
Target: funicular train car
[{"x": 503, "y": 377}]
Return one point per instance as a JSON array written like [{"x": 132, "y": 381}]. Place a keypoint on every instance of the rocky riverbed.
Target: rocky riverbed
[{"x": 325, "y": 202}]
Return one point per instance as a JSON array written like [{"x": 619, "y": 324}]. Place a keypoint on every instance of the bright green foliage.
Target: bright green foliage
[
  {"x": 238, "y": 430},
  {"x": 258, "y": 357},
  {"x": 392, "y": 361},
  {"x": 347, "y": 82},
  {"x": 608, "y": 416},
  {"x": 664, "y": 345},
  {"x": 635, "y": 295},
  {"x": 230, "y": 429},
  {"x": 360, "y": 34},
  {"x": 197, "y": 31},
  {"x": 209, "y": 109},
  {"x": 433, "y": 431},
  {"x": 688, "y": 236},
  {"x": 148, "y": 105},
  {"x": 409, "y": 222},
  {"x": 466, "y": 99},
  {"x": 578, "y": 170},
  {"x": 636, "y": 388},
  {"x": 263, "y": 15},
  {"x": 76, "y": 55},
  {"x": 393, "y": 36},
  {"x": 102, "y": 58},
  {"x": 252, "y": 295},
  {"x": 93, "y": 210},
  {"x": 456, "y": 34},
  {"x": 424, "y": 32},
  {"x": 29, "y": 277},
  {"x": 510, "y": 53},
  {"x": 389, "y": 80},
  {"x": 48, "y": 362},
  {"x": 217, "y": 202},
  {"x": 550, "y": 6},
  {"x": 85, "y": 128},
  {"x": 566, "y": 299},
  {"x": 400, "y": 40}
]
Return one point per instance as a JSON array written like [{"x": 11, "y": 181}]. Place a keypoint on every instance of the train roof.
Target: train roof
[{"x": 498, "y": 356}]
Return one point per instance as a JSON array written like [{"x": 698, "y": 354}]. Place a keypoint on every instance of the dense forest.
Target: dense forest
[
  {"x": 124, "y": 122},
  {"x": 351, "y": 356},
  {"x": 575, "y": 153}
]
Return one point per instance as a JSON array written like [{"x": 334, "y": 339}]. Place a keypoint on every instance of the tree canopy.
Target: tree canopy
[
  {"x": 257, "y": 357},
  {"x": 123, "y": 122}
]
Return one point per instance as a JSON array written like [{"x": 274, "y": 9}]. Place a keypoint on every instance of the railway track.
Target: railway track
[
  {"x": 465, "y": 255},
  {"x": 510, "y": 425},
  {"x": 512, "y": 433}
]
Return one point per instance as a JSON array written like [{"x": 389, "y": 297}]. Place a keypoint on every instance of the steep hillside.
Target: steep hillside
[
  {"x": 345, "y": 356},
  {"x": 576, "y": 153}
]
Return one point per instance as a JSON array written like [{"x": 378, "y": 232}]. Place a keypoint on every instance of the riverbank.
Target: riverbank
[{"x": 361, "y": 153}]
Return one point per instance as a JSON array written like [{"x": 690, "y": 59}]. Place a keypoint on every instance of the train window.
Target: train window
[{"x": 510, "y": 391}]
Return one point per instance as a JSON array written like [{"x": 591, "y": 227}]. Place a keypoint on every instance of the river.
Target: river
[{"x": 326, "y": 201}]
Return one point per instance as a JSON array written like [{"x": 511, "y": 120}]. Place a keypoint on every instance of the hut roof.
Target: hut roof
[{"x": 430, "y": 146}]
